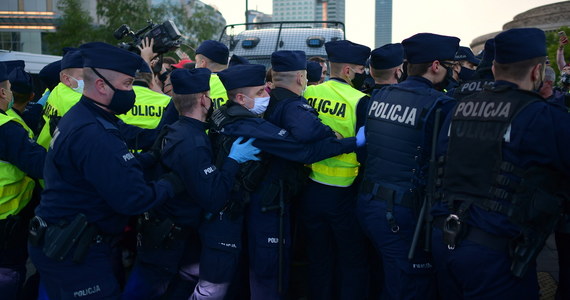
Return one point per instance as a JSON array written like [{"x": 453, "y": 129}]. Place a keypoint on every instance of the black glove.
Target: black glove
[{"x": 177, "y": 184}]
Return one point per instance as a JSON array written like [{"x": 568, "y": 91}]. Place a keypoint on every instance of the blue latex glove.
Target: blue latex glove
[
  {"x": 44, "y": 98},
  {"x": 360, "y": 137},
  {"x": 243, "y": 152}
]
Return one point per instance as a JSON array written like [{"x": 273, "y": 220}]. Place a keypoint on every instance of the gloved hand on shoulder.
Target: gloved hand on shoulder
[{"x": 243, "y": 152}]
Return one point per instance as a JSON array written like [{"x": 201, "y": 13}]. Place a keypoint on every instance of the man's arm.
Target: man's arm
[{"x": 18, "y": 149}]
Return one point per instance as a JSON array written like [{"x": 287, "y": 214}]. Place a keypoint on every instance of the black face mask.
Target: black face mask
[
  {"x": 122, "y": 100},
  {"x": 358, "y": 80},
  {"x": 466, "y": 74},
  {"x": 440, "y": 86}
]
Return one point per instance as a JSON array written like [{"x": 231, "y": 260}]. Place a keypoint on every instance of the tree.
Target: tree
[
  {"x": 73, "y": 28},
  {"x": 114, "y": 13}
]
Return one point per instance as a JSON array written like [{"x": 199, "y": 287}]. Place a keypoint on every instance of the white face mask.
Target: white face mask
[
  {"x": 80, "y": 85},
  {"x": 260, "y": 105}
]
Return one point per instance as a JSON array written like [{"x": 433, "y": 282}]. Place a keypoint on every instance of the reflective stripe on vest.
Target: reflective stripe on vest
[
  {"x": 19, "y": 119},
  {"x": 60, "y": 101},
  {"x": 217, "y": 91},
  {"x": 15, "y": 187},
  {"x": 336, "y": 103},
  {"x": 148, "y": 110}
]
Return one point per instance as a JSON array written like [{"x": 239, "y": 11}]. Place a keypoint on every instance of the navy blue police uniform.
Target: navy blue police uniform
[
  {"x": 167, "y": 260},
  {"x": 399, "y": 125},
  {"x": 16, "y": 209},
  {"x": 495, "y": 161},
  {"x": 336, "y": 245},
  {"x": 289, "y": 111},
  {"x": 233, "y": 120},
  {"x": 92, "y": 184}
]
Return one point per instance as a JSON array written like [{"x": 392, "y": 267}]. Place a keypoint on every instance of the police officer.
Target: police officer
[
  {"x": 314, "y": 72},
  {"x": 483, "y": 75},
  {"x": 237, "y": 60},
  {"x": 92, "y": 183},
  {"x": 386, "y": 65},
  {"x": 150, "y": 105},
  {"x": 399, "y": 125},
  {"x": 328, "y": 202},
  {"x": 207, "y": 191},
  {"x": 64, "y": 95},
  {"x": 214, "y": 55},
  {"x": 499, "y": 161},
  {"x": 22, "y": 162},
  {"x": 468, "y": 63},
  {"x": 22, "y": 87},
  {"x": 241, "y": 116}
]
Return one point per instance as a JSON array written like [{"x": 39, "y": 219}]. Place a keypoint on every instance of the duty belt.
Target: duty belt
[
  {"x": 381, "y": 193},
  {"x": 476, "y": 235}
]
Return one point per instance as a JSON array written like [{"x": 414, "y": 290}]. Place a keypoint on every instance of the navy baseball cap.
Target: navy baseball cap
[
  {"x": 21, "y": 81},
  {"x": 72, "y": 59},
  {"x": 49, "y": 74},
  {"x": 240, "y": 76},
  {"x": 284, "y": 61},
  {"x": 519, "y": 44},
  {"x": 104, "y": 56},
  {"x": 314, "y": 71},
  {"x": 237, "y": 60},
  {"x": 3, "y": 73},
  {"x": 464, "y": 53},
  {"x": 345, "y": 51},
  {"x": 215, "y": 51},
  {"x": 387, "y": 56},
  {"x": 185, "y": 81},
  {"x": 427, "y": 47}
]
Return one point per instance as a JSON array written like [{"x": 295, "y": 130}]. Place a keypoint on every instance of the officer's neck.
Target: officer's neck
[
  {"x": 524, "y": 84},
  {"x": 294, "y": 88},
  {"x": 197, "y": 114},
  {"x": 99, "y": 100}
]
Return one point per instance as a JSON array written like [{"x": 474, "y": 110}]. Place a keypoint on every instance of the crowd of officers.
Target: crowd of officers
[{"x": 413, "y": 171}]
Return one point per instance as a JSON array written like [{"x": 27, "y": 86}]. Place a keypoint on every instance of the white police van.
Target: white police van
[
  {"x": 256, "y": 41},
  {"x": 34, "y": 62}
]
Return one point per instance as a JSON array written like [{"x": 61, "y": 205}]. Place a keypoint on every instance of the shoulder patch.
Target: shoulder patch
[{"x": 208, "y": 170}]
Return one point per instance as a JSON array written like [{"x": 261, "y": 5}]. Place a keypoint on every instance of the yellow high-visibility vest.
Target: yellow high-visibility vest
[
  {"x": 336, "y": 103},
  {"x": 15, "y": 115},
  {"x": 60, "y": 101},
  {"x": 148, "y": 110},
  {"x": 217, "y": 91},
  {"x": 15, "y": 187}
]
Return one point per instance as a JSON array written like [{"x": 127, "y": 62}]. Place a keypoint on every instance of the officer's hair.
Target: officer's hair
[
  {"x": 518, "y": 70},
  {"x": 21, "y": 97},
  {"x": 336, "y": 68},
  {"x": 214, "y": 66},
  {"x": 144, "y": 77},
  {"x": 233, "y": 93},
  {"x": 382, "y": 74},
  {"x": 317, "y": 59},
  {"x": 418, "y": 69},
  {"x": 185, "y": 103},
  {"x": 4, "y": 84},
  {"x": 283, "y": 77},
  {"x": 89, "y": 77}
]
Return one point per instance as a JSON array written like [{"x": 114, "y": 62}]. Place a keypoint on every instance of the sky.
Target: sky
[{"x": 466, "y": 19}]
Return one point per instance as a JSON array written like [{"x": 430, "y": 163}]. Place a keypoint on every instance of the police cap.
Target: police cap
[
  {"x": 21, "y": 81},
  {"x": 237, "y": 60},
  {"x": 519, "y": 44},
  {"x": 72, "y": 59},
  {"x": 387, "y": 56},
  {"x": 314, "y": 71},
  {"x": 13, "y": 64},
  {"x": 3, "y": 73},
  {"x": 185, "y": 81},
  {"x": 49, "y": 74},
  {"x": 464, "y": 53},
  {"x": 284, "y": 61},
  {"x": 105, "y": 56},
  {"x": 240, "y": 76},
  {"x": 345, "y": 51},
  {"x": 215, "y": 51},
  {"x": 489, "y": 51},
  {"x": 427, "y": 47}
]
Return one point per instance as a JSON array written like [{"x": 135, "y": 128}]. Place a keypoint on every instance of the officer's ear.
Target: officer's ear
[
  {"x": 537, "y": 73},
  {"x": 239, "y": 99}
]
